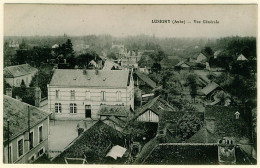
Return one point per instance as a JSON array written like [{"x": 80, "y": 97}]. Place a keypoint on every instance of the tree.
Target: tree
[
  {"x": 192, "y": 81},
  {"x": 156, "y": 67},
  {"x": 208, "y": 51},
  {"x": 222, "y": 97},
  {"x": 112, "y": 55},
  {"x": 188, "y": 125}
]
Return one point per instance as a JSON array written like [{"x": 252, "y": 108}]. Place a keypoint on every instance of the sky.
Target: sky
[{"x": 124, "y": 20}]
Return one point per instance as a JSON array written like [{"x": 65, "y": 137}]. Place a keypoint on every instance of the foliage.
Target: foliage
[
  {"x": 192, "y": 81},
  {"x": 188, "y": 125},
  {"x": 112, "y": 55},
  {"x": 26, "y": 94},
  {"x": 222, "y": 97},
  {"x": 139, "y": 130},
  {"x": 156, "y": 67},
  {"x": 42, "y": 79}
]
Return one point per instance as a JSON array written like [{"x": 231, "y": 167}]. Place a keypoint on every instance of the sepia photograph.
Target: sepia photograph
[{"x": 130, "y": 84}]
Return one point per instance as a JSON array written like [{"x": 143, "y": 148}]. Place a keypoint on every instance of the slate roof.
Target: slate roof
[
  {"x": 167, "y": 62},
  {"x": 18, "y": 70},
  {"x": 225, "y": 125},
  {"x": 209, "y": 88},
  {"x": 76, "y": 78},
  {"x": 17, "y": 113},
  {"x": 146, "y": 79},
  {"x": 112, "y": 110}
]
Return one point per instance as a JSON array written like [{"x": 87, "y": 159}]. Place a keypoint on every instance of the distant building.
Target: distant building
[
  {"x": 15, "y": 74},
  {"x": 13, "y": 44},
  {"x": 78, "y": 94},
  {"x": 55, "y": 46},
  {"x": 28, "y": 131},
  {"x": 241, "y": 57},
  {"x": 201, "y": 58}
]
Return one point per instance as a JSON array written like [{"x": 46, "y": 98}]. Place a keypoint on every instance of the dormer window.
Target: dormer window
[{"x": 237, "y": 115}]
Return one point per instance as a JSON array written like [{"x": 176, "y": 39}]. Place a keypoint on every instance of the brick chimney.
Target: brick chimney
[
  {"x": 210, "y": 124},
  {"x": 37, "y": 96},
  {"x": 9, "y": 92}
]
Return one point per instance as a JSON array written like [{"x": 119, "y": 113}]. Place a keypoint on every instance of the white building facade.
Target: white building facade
[{"x": 78, "y": 94}]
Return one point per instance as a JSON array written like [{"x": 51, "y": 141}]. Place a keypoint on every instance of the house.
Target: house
[
  {"x": 217, "y": 53},
  {"x": 225, "y": 128},
  {"x": 210, "y": 90},
  {"x": 75, "y": 94},
  {"x": 241, "y": 57},
  {"x": 110, "y": 65},
  {"x": 14, "y": 75},
  {"x": 201, "y": 58},
  {"x": 182, "y": 65},
  {"x": 92, "y": 145},
  {"x": 26, "y": 130},
  {"x": 153, "y": 110},
  {"x": 144, "y": 82},
  {"x": 169, "y": 63}
]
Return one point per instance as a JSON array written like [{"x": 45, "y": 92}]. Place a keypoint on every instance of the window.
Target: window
[
  {"x": 40, "y": 134},
  {"x": 40, "y": 152},
  {"x": 103, "y": 95},
  {"x": 57, "y": 107},
  {"x": 118, "y": 96},
  {"x": 73, "y": 108},
  {"x": 72, "y": 94},
  {"x": 31, "y": 140},
  {"x": 57, "y": 94},
  {"x": 20, "y": 147},
  {"x": 87, "y": 95}
]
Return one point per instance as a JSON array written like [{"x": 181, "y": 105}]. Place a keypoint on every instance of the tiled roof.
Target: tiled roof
[
  {"x": 17, "y": 113},
  {"x": 146, "y": 79},
  {"x": 108, "y": 65},
  {"x": 225, "y": 125},
  {"x": 115, "y": 121},
  {"x": 93, "y": 143},
  {"x": 112, "y": 110},
  {"x": 209, "y": 88},
  {"x": 76, "y": 78},
  {"x": 157, "y": 105},
  {"x": 203, "y": 136},
  {"x": 18, "y": 70}
]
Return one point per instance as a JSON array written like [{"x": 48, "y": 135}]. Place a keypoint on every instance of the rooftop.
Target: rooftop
[
  {"x": 17, "y": 113},
  {"x": 225, "y": 125},
  {"x": 18, "y": 70},
  {"x": 93, "y": 143},
  {"x": 157, "y": 105},
  {"x": 169, "y": 62},
  {"x": 146, "y": 79},
  {"x": 103, "y": 78},
  {"x": 209, "y": 88}
]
